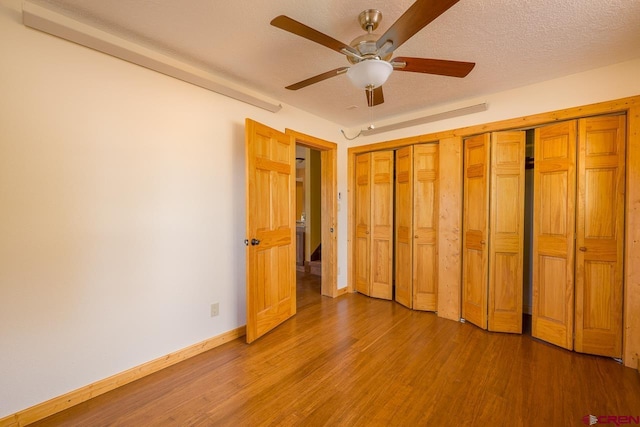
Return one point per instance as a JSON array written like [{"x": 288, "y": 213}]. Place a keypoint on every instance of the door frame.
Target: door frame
[{"x": 329, "y": 224}]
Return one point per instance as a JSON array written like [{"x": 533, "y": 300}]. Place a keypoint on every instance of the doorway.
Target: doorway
[
  {"x": 270, "y": 224},
  {"x": 321, "y": 203},
  {"x": 308, "y": 211},
  {"x": 308, "y": 226}
]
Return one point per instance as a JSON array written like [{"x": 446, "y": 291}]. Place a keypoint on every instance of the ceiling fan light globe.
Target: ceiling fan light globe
[{"x": 370, "y": 73}]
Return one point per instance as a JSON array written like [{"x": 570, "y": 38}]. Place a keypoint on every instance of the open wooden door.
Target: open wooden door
[
  {"x": 270, "y": 228},
  {"x": 554, "y": 190},
  {"x": 599, "y": 235},
  {"x": 475, "y": 252}
]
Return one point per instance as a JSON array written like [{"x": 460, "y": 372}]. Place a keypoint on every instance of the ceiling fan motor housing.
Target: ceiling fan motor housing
[{"x": 366, "y": 44}]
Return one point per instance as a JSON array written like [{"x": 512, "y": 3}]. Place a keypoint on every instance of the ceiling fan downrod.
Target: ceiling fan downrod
[{"x": 370, "y": 19}]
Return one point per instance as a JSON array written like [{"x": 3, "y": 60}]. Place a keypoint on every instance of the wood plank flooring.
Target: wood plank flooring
[{"x": 357, "y": 361}]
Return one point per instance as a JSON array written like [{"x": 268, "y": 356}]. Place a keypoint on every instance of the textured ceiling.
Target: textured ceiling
[{"x": 513, "y": 43}]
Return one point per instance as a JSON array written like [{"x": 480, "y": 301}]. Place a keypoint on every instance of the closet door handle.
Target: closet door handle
[
  {"x": 582, "y": 249},
  {"x": 482, "y": 242}
]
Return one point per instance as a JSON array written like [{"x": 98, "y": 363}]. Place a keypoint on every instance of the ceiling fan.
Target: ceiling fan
[{"x": 370, "y": 54}]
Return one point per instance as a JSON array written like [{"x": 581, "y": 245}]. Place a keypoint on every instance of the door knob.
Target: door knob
[
  {"x": 582, "y": 249},
  {"x": 482, "y": 242},
  {"x": 255, "y": 242}
]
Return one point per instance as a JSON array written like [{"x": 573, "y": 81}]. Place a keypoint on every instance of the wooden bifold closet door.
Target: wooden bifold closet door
[
  {"x": 416, "y": 229},
  {"x": 600, "y": 235},
  {"x": 553, "y": 233},
  {"x": 493, "y": 231},
  {"x": 578, "y": 249},
  {"x": 363, "y": 223},
  {"x": 404, "y": 227},
  {"x": 374, "y": 224}
]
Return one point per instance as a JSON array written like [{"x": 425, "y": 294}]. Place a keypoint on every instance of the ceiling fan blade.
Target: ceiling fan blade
[
  {"x": 413, "y": 20},
  {"x": 291, "y": 25},
  {"x": 376, "y": 99},
  {"x": 318, "y": 78},
  {"x": 435, "y": 66}
]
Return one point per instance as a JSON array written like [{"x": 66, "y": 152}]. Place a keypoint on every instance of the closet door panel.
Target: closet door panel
[
  {"x": 507, "y": 232},
  {"x": 553, "y": 233},
  {"x": 404, "y": 227},
  {"x": 382, "y": 224},
  {"x": 363, "y": 224},
  {"x": 425, "y": 226},
  {"x": 475, "y": 227},
  {"x": 599, "y": 235}
]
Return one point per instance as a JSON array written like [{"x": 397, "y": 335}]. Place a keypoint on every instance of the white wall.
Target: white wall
[{"x": 121, "y": 212}]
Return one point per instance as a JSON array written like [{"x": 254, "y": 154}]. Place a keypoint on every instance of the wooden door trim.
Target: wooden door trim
[
  {"x": 450, "y": 228},
  {"x": 631, "y": 291},
  {"x": 329, "y": 184}
]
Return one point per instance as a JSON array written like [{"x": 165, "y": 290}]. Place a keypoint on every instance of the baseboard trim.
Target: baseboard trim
[{"x": 60, "y": 403}]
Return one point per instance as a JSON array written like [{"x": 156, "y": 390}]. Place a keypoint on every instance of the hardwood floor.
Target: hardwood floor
[{"x": 357, "y": 361}]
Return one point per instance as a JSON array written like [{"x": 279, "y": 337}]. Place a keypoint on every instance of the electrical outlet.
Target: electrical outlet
[{"x": 215, "y": 309}]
